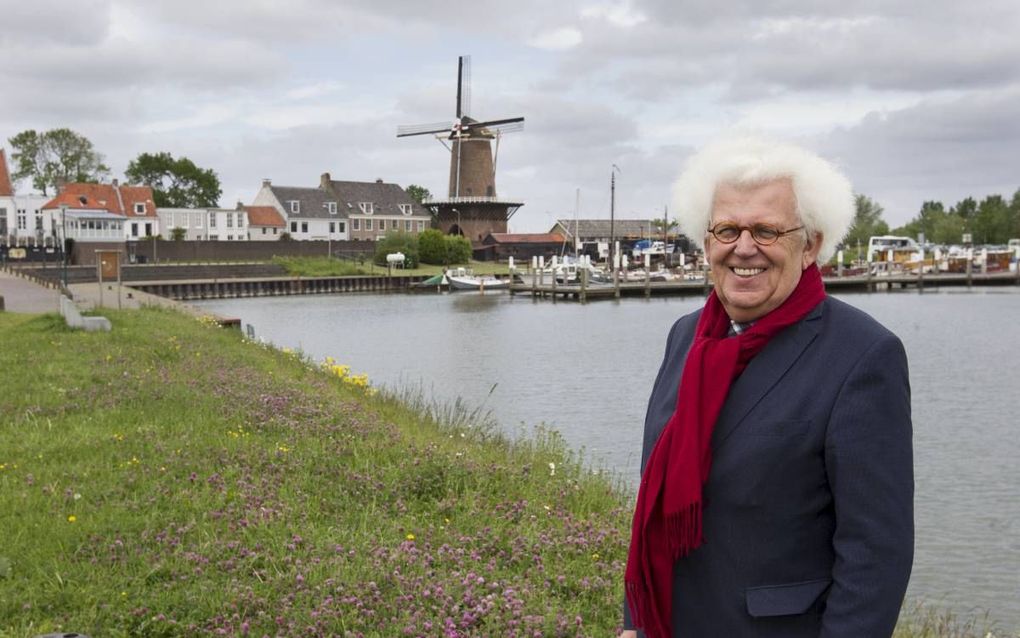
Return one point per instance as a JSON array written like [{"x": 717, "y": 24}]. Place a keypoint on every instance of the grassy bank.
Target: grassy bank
[{"x": 169, "y": 478}]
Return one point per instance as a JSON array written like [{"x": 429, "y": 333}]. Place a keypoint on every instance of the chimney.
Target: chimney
[
  {"x": 378, "y": 180},
  {"x": 324, "y": 181},
  {"x": 60, "y": 183},
  {"x": 114, "y": 182},
  {"x": 266, "y": 182}
]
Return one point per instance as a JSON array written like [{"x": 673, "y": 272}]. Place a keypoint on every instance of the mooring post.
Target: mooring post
[
  {"x": 648, "y": 275},
  {"x": 586, "y": 261}
]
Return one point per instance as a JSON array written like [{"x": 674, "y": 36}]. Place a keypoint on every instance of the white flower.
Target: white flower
[{"x": 552, "y": 469}]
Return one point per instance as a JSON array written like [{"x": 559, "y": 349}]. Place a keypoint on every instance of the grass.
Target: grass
[
  {"x": 326, "y": 267},
  {"x": 170, "y": 478}
]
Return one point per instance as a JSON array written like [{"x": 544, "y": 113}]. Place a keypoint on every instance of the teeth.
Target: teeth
[{"x": 748, "y": 272}]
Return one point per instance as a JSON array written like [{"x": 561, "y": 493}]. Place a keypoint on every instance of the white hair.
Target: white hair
[{"x": 825, "y": 199}]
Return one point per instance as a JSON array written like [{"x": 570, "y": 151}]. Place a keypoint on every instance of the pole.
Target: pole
[
  {"x": 63, "y": 239},
  {"x": 612, "y": 216},
  {"x": 665, "y": 232}
]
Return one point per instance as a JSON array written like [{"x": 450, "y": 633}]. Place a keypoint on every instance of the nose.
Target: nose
[{"x": 745, "y": 244}]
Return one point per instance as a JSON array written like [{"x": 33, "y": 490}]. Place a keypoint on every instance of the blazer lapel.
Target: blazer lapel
[{"x": 763, "y": 373}]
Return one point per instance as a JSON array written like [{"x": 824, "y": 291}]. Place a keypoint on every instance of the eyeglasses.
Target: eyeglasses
[{"x": 762, "y": 234}]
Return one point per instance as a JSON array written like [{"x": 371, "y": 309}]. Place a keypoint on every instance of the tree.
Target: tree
[
  {"x": 55, "y": 157},
  {"x": 396, "y": 241},
  {"x": 432, "y": 248},
  {"x": 176, "y": 183},
  {"x": 992, "y": 223},
  {"x": 458, "y": 249},
  {"x": 867, "y": 222},
  {"x": 178, "y": 233},
  {"x": 418, "y": 193}
]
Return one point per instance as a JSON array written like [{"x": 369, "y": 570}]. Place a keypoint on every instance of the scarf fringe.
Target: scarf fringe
[
  {"x": 684, "y": 531},
  {"x": 641, "y": 612}
]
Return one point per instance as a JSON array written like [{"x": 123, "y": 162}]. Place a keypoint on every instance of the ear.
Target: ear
[{"x": 810, "y": 254}]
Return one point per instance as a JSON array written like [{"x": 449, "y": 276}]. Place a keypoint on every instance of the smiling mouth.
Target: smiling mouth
[{"x": 747, "y": 272}]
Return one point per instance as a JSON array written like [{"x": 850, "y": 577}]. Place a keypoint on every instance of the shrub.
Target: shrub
[
  {"x": 431, "y": 247},
  {"x": 458, "y": 249},
  {"x": 397, "y": 242}
]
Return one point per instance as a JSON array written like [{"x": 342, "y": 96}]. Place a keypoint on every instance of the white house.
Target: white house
[
  {"x": 102, "y": 213},
  {"x": 21, "y": 217}
]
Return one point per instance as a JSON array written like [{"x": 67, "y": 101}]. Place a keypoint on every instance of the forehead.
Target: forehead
[{"x": 770, "y": 201}]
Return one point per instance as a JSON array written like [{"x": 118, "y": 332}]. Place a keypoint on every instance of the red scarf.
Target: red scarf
[{"x": 667, "y": 518}]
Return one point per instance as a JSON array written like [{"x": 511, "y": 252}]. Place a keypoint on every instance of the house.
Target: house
[
  {"x": 375, "y": 208},
  {"x": 342, "y": 210},
  {"x": 309, "y": 213},
  {"x": 102, "y": 213},
  {"x": 21, "y": 218},
  {"x": 520, "y": 246},
  {"x": 197, "y": 224},
  {"x": 265, "y": 223}
]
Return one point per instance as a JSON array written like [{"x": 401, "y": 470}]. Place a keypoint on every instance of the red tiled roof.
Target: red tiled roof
[
  {"x": 527, "y": 238},
  {"x": 119, "y": 200},
  {"x": 264, "y": 216},
  {"x": 6, "y": 188}
]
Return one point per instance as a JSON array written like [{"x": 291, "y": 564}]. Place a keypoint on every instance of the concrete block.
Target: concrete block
[{"x": 96, "y": 324}]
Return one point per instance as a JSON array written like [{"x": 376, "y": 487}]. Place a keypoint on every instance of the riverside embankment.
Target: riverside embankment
[{"x": 171, "y": 478}]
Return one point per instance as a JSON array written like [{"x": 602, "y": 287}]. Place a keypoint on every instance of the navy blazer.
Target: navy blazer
[{"x": 808, "y": 508}]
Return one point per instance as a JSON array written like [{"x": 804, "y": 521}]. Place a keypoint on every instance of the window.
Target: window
[
  {"x": 38, "y": 222},
  {"x": 382, "y": 224},
  {"x": 295, "y": 207},
  {"x": 368, "y": 224},
  {"x": 22, "y": 219},
  {"x": 343, "y": 227},
  {"x": 293, "y": 227},
  {"x": 304, "y": 227},
  {"x": 264, "y": 230},
  {"x": 366, "y": 207},
  {"x": 212, "y": 220},
  {"x": 230, "y": 238},
  {"x": 134, "y": 229},
  {"x": 139, "y": 208},
  {"x": 421, "y": 225},
  {"x": 332, "y": 227},
  {"x": 185, "y": 218},
  {"x": 198, "y": 220},
  {"x": 355, "y": 224},
  {"x": 406, "y": 209},
  {"x": 407, "y": 225},
  {"x": 332, "y": 208},
  {"x": 148, "y": 230},
  {"x": 274, "y": 230},
  {"x": 230, "y": 220}
]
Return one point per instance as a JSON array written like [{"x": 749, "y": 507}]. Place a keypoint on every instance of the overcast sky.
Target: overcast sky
[{"x": 917, "y": 102}]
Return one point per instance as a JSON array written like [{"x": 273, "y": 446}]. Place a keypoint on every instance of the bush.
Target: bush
[
  {"x": 431, "y": 247},
  {"x": 436, "y": 248},
  {"x": 178, "y": 233},
  {"x": 397, "y": 242}
]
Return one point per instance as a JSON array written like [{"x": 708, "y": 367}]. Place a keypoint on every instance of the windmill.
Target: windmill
[{"x": 472, "y": 208}]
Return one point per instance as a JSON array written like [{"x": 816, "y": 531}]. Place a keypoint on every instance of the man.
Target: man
[{"x": 777, "y": 475}]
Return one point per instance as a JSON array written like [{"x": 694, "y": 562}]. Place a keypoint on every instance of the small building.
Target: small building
[
  {"x": 520, "y": 246},
  {"x": 265, "y": 223},
  {"x": 21, "y": 217},
  {"x": 103, "y": 213},
  {"x": 592, "y": 236}
]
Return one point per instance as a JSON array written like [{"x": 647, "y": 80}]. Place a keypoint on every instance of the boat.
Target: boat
[{"x": 464, "y": 279}]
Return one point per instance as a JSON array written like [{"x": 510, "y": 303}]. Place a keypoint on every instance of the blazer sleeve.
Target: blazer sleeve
[{"x": 869, "y": 463}]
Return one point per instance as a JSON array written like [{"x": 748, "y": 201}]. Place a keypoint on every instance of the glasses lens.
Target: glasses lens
[
  {"x": 726, "y": 232},
  {"x": 765, "y": 234}
]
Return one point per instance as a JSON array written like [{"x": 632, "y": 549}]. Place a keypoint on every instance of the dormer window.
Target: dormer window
[
  {"x": 139, "y": 208},
  {"x": 366, "y": 207},
  {"x": 295, "y": 207},
  {"x": 406, "y": 209},
  {"x": 332, "y": 207}
]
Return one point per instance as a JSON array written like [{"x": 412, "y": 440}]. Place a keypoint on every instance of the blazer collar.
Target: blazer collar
[{"x": 764, "y": 372}]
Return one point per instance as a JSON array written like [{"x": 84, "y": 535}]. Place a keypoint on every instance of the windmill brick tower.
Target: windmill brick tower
[{"x": 473, "y": 208}]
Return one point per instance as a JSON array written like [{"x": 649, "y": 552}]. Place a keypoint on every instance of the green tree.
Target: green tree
[
  {"x": 55, "y": 157},
  {"x": 176, "y": 183},
  {"x": 992, "y": 222},
  {"x": 867, "y": 223},
  {"x": 418, "y": 193},
  {"x": 396, "y": 241},
  {"x": 458, "y": 249},
  {"x": 1014, "y": 211},
  {"x": 178, "y": 233},
  {"x": 432, "y": 247}
]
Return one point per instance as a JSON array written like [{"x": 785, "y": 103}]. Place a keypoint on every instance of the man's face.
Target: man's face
[{"x": 751, "y": 280}]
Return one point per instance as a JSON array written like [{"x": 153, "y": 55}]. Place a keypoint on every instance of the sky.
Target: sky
[{"x": 914, "y": 100}]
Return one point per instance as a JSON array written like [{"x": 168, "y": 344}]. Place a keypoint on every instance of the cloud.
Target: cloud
[{"x": 557, "y": 39}]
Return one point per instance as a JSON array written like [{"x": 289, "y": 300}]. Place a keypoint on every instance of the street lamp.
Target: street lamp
[{"x": 63, "y": 239}]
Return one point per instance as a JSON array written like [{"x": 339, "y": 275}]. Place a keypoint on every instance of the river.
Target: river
[{"x": 586, "y": 370}]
